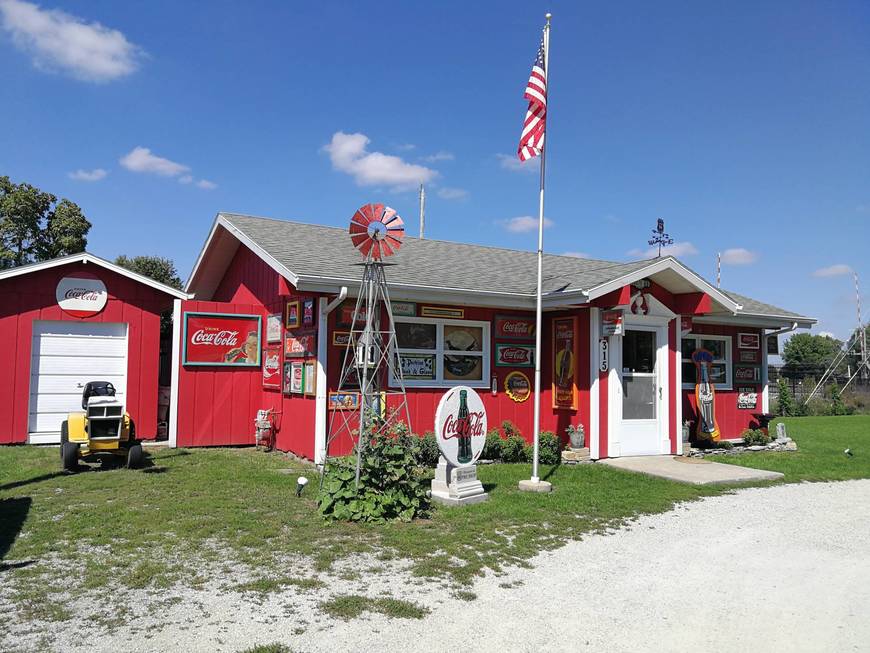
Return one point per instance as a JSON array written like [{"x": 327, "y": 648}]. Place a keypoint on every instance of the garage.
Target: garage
[
  {"x": 76, "y": 319},
  {"x": 64, "y": 356}
]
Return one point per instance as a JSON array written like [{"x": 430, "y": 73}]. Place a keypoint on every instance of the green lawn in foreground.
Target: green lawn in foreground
[{"x": 235, "y": 498}]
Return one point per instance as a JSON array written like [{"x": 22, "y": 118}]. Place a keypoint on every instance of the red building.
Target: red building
[
  {"x": 71, "y": 320},
  {"x": 618, "y": 339}
]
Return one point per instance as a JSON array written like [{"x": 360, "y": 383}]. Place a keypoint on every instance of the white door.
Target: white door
[
  {"x": 65, "y": 356},
  {"x": 642, "y": 396}
]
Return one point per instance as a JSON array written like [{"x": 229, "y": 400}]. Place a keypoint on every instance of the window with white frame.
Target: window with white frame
[
  {"x": 720, "y": 370},
  {"x": 442, "y": 353}
]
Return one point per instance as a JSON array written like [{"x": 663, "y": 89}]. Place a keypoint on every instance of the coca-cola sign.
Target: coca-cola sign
[
  {"x": 514, "y": 355},
  {"x": 221, "y": 339},
  {"x": 272, "y": 366},
  {"x": 460, "y": 426},
  {"x": 514, "y": 327},
  {"x": 82, "y": 295}
]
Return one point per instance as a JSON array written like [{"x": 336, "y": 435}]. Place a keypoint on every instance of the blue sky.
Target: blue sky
[{"x": 745, "y": 126}]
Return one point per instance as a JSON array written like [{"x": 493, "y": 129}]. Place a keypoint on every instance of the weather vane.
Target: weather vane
[{"x": 660, "y": 237}]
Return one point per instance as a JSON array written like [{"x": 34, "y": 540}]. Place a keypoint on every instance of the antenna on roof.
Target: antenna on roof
[
  {"x": 422, "y": 210},
  {"x": 718, "y": 269}
]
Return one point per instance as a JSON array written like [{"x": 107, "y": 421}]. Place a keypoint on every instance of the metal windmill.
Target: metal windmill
[{"x": 371, "y": 355}]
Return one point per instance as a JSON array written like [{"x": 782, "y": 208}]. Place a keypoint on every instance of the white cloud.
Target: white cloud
[
  {"x": 185, "y": 179},
  {"x": 826, "y": 334},
  {"x": 439, "y": 156},
  {"x": 739, "y": 256},
  {"x": 511, "y": 162},
  {"x": 140, "y": 159},
  {"x": 406, "y": 147},
  {"x": 59, "y": 41},
  {"x": 452, "y": 193},
  {"x": 837, "y": 270},
  {"x": 523, "y": 224},
  {"x": 576, "y": 254},
  {"x": 348, "y": 154},
  {"x": 676, "y": 250},
  {"x": 205, "y": 184},
  {"x": 88, "y": 175}
]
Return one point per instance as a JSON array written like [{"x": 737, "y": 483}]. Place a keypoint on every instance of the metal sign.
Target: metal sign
[
  {"x": 603, "y": 355},
  {"x": 81, "y": 296},
  {"x": 612, "y": 323},
  {"x": 221, "y": 339},
  {"x": 460, "y": 426},
  {"x": 514, "y": 355}
]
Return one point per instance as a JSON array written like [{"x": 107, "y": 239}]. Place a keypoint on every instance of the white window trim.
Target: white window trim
[
  {"x": 439, "y": 351},
  {"x": 729, "y": 363}
]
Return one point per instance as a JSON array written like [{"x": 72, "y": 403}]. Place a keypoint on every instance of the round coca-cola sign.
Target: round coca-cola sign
[
  {"x": 81, "y": 296},
  {"x": 460, "y": 426}
]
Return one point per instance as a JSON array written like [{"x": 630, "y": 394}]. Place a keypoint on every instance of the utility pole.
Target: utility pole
[
  {"x": 422, "y": 210},
  {"x": 718, "y": 269},
  {"x": 862, "y": 332}
]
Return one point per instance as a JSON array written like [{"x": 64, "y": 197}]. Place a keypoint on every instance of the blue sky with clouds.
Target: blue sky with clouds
[{"x": 745, "y": 126}]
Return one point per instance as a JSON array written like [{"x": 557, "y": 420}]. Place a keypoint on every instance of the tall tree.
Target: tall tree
[
  {"x": 810, "y": 355},
  {"x": 155, "y": 267},
  {"x": 34, "y": 226}
]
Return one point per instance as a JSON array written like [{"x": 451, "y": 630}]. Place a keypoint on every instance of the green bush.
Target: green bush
[
  {"x": 724, "y": 444},
  {"x": 492, "y": 446},
  {"x": 391, "y": 486},
  {"x": 426, "y": 451},
  {"x": 754, "y": 437},
  {"x": 513, "y": 449},
  {"x": 785, "y": 403},
  {"x": 510, "y": 429},
  {"x": 549, "y": 451}
]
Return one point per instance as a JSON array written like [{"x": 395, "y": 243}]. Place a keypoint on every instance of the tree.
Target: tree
[
  {"x": 809, "y": 355},
  {"x": 785, "y": 403},
  {"x": 154, "y": 267},
  {"x": 34, "y": 226}
]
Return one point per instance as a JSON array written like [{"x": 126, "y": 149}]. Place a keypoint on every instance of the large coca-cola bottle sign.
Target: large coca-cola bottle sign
[
  {"x": 460, "y": 426},
  {"x": 81, "y": 296}
]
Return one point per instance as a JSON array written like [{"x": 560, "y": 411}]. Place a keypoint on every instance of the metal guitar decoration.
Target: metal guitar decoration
[
  {"x": 371, "y": 352},
  {"x": 705, "y": 395}
]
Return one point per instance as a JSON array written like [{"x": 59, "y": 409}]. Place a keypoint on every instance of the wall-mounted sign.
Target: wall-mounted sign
[
  {"x": 294, "y": 377},
  {"x": 221, "y": 339},
  {"x": 603, "y": 355},
  {"x": 308, "y": 312},
  {"x": 340, "y": 338},
  {"x": 343, "y": 400},
  {"x": 460, "y": 426},
  {"x": 685, "y": 325},
  {"x": 564, "y": 364},
  {"x": 273, "y": 328},
  {"x": 345, "y": 314},
  {"x": 747, "y": 373},
  {"x": 81, "y": 296},
  {"x": 404, "y": 309},
  {"x": 272, "y": 366},
  {"x": 514, "y": 327},
  {"x": 310, "y": 377},
  {"x": 772, "y": 345},
  {"x": 441, "y": 311},
  {"x": 748, "y": 341},
  {"x": 748, "y": 355},
  {"x": 612, "y": 323},
  {"x": 517, "y": 386},
  {"x": 418, "y": 367},
  {"x": 300, "y": 344},
  {"x": 292, "y": 319},
  {"x": 747, "y": 398},
  {"x": 514, "y": 355}
]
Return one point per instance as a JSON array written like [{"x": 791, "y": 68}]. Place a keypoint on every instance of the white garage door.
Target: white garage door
[{"x": 65, "y": 356}]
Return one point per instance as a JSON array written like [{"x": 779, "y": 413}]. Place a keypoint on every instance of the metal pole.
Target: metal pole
[
  {"x": 422, "y": 210},
  {"x": 718, "y": 269},
  {"x": 538, "y": 311}
]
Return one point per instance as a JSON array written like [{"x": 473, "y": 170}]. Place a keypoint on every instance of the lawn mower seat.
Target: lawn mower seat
[{"x": 96, "y": 389}]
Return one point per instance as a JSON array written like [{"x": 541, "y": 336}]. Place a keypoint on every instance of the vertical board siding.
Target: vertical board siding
[{"x": 31, "y": 297}]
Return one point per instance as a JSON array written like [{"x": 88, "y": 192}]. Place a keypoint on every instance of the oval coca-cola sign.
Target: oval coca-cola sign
[
  {"x": 81, "y": 296},
  {"x": 460, "y": 426}
]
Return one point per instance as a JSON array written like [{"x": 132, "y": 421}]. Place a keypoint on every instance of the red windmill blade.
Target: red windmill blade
[{"x": 376, "y": 229}]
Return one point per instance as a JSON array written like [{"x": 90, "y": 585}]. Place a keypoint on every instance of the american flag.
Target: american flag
[{"x": 532, "y": 139}]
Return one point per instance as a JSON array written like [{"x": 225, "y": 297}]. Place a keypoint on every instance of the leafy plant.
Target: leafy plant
[
  {"x": 513, "y": 449},
  {"x": 785, "y": 404},
  {"x": 391, "y": 486},
  {"x": 492, "y": 446},
  {"x": 549, "y": 449},
  {"x": 510, "y": 429},
  {"x": 725, "y": 444},
  {"x": 426, "y": 451},
  {"x": 753, "y": 437}
]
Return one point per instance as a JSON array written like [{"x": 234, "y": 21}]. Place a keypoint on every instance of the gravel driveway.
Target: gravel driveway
[{"x": 784, "y": 568}]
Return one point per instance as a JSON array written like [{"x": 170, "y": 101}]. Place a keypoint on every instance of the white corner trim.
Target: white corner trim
[
  {"x": 592, "y": 438},
  {"x": 172, "y": 427},
  {"x": 765, "y": 375},
  {"x": 324, "y": 308},
  {"x": 678, "y": 372}
]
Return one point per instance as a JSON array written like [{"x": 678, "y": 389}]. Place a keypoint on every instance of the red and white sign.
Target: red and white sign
[
  {"x": 514, "y": 327},
  {"x": 272, "y": 366},
  {"x": 221, "y": 339},
  {"x": 460, "y": 426},
  {"x": 514, "y": 355},
  {"x": 81, "y": 296},
  {"x": 611, "y": 323}
]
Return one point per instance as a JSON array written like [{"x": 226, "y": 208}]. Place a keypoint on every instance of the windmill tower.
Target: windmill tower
[{"x": 371, "y": 365}]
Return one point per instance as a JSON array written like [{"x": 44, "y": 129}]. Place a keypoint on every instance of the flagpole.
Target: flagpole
[{"x": 535, "y": 483}]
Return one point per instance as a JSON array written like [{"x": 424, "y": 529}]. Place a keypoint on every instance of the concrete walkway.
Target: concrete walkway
[{"x": 697, "y": 471}]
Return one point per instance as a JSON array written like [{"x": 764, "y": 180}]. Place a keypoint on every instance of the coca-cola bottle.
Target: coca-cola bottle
[{"x": 462, "y": 429}]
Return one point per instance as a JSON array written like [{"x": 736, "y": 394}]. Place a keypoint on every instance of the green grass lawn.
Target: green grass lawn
[{"x": 202, "y": 505}]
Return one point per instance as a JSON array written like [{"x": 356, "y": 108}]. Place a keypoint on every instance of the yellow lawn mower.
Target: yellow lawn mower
[{"x": 103, "y": 428}]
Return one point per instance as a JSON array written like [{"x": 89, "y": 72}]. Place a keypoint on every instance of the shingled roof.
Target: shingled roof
[{"x": 317, "y": 256}]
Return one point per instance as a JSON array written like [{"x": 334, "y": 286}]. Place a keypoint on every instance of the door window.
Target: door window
[{"x": 639, "y": 383}]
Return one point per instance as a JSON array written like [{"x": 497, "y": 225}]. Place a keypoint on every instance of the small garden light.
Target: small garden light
[
  {"x": 300, "y": 484},
  {"x": 849, "y": 453}
]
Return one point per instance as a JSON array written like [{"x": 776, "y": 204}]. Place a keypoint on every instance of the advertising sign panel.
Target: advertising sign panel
[
  {"x": 81, "y": 296},
  {"x": 514, "y": 355},
  {"x": 460, "y": 426},
  {"x": 272, "y": 366},
  {"x": 564, "y": 364},
  {"x": 221, "y": 339},
  {"x": 514, "y": 327}
]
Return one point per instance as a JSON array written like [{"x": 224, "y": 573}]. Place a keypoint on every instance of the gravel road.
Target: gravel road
[{"x": 767, "y": 569}]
